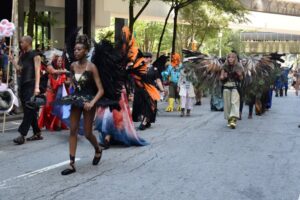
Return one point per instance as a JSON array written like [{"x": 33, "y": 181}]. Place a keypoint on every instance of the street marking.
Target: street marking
[
  {"x": 34, "y": 173},
  {"x": 299, "y": 197}
]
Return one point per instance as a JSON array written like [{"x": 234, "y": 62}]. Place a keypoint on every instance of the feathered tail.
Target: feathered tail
[{"x": 109, "y": 64}]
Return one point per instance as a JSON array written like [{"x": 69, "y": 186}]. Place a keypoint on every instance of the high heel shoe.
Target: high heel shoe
[
  {"x": 97, "y": 159},
  {"x": 70, "y": 170}
]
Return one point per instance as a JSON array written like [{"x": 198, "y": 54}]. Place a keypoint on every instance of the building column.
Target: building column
[
  {"x": 5, "y": 10},
  {"x": 21, "y": 18},
  {"x": 70, "y": 17},
  {"x": 119, "y": 23},
  {"x": 87, "y": 17}
]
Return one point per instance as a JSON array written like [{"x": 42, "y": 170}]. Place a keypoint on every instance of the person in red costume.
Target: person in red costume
[{"x": 57, "y": 77}]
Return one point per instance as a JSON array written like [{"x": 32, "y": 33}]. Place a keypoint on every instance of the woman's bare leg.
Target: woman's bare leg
[
  {"x": 75, "y": 120},
  {"x": 88, "y": 130}
]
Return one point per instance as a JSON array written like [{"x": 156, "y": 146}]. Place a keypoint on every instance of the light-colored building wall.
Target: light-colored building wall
[
  {"x": 157, "y": 11},
  {"x": 105, "y": 9}
]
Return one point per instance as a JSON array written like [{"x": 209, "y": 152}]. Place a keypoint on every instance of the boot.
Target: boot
[
  {"x": 233, "y": 122},
  {"x": 281, "y": 92},
  {"x": 198, "y": 103},
  {"x": 170, "y": 107},
  {"x": 179, "y": 105},
  {"x": 182, "y": 112},
  {"x": 188, "y": 112}
]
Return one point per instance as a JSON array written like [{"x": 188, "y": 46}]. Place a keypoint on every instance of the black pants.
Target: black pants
[
  {"x": 30, "y": 115},
  {"x": 144, "y": 106}
]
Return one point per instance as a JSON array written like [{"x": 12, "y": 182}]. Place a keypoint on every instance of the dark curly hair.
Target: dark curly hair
[{"x": 84, "y": 40}]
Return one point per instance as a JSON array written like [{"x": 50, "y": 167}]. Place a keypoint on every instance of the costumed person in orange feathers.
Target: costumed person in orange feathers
[{"x": 145, "y": 93}]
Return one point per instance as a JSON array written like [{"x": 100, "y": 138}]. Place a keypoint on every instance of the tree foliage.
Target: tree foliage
[
  {"x": 203, "y": 20},
  {"x": 147, "y": 36},
  {"x": 132, "y": 17}
]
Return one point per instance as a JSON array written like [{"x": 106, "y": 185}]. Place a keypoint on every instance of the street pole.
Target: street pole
[{"x": 220, "y": 34}]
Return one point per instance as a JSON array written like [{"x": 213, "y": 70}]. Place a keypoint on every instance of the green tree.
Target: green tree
[
  {"x": 164, "y": 28},
  {"x": 147, "y": 34},
  {"x": 178, "y": 5},
  {"x": 175, "y": 5},
  {"x": 230, "y": 41},
  {"x": 205, "y": 19},
  {"x": 133, "y": 18}
]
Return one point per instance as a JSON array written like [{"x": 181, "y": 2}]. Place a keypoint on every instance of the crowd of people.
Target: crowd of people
[{"x": 78, "y": 98}]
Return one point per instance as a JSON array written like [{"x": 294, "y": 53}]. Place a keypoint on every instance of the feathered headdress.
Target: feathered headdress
[{"x": 175, "y": 59}]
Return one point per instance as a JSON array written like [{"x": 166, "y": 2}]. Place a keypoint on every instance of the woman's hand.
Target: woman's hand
[
  {"x": 88, "y": 106},
  {"x": 11, "y": 58},
  {"x": 36, "y": 91},
  {"x": 225, "y": 75}
]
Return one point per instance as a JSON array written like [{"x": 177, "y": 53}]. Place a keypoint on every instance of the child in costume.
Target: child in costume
[
  {"x": 172, "y": 73},
  {"x": 186, "y": 92}
]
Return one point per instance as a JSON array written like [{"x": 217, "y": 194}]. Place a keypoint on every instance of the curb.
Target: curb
[{"x": 11, "y": 117}]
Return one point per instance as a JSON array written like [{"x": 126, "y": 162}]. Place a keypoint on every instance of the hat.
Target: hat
[{"x": 147, "y": 55}]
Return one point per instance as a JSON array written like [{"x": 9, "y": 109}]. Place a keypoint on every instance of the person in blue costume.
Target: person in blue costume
[{"x": 172, "y": 74}]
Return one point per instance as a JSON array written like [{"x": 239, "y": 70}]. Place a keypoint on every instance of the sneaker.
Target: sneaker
[
  {"x": 148, "y": 125},
  {"x": 142, "y": 127},
  {"x": 19, "y": 140},
  {"x": 232, "y": 125},
  {"x": 182, "y": 112},
  {"x": 188, "y": 112}
]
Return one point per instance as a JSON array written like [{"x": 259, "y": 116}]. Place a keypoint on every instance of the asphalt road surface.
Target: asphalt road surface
[{"x": 188, "y": 158}]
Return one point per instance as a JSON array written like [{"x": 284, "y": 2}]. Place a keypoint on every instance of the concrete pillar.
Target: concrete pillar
[
  {"x": 5, "y": 10},
  {"x": 70, "y": 17},
  {"x": 87, "y": 17},
  {"x": 119, "y": 23},
  {"x": 21, "y": 18}
]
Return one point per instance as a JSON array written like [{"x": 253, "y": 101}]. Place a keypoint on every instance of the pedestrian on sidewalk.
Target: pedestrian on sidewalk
[
  {"x": 29, "y": 65},
  {"x": 231, "y": 75}
]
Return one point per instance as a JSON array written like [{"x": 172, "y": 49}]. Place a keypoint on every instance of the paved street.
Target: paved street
[{"x": 189, "y": 158}]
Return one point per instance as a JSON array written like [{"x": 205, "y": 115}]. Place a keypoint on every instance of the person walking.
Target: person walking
[
  {"x": 29, "y": 66},
  {"x": 231, "y": 75}
]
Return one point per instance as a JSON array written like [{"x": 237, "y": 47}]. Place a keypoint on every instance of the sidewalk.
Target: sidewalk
[{"x": 12, "y": 122}]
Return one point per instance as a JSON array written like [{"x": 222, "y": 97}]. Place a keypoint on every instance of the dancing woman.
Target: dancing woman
[
  {"x": 88, "y": 90},
  {"x": 57, "y": 77}
]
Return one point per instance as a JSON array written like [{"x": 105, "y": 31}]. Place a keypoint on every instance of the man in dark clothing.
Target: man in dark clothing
[{"x": 29, "y": 67}]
